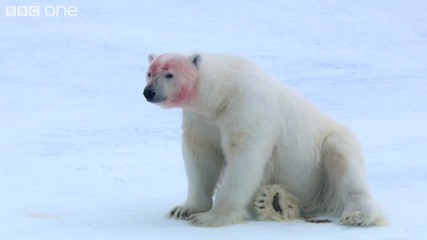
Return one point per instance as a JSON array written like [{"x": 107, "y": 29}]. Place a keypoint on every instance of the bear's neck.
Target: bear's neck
[{"x": 213, "y": 97}]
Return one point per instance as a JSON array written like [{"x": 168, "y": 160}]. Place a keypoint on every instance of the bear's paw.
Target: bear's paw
[{"x": 274, "y": 202}]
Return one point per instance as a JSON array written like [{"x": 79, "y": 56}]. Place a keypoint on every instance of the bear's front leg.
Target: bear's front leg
[
  {"x": 246, "y": 158},
  {"x": 203, "y": 164}
]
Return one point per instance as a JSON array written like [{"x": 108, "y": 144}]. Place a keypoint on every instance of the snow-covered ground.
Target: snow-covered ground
[{"x": 84, "y": 156}]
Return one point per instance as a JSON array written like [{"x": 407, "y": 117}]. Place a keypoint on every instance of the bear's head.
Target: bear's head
[{"x": 172, "y": 79}]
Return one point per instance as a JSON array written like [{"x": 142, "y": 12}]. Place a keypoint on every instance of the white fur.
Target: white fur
[{"x": 252, "y": 130}]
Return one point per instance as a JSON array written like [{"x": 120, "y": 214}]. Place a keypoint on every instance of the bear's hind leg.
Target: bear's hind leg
[{"x": 343, "y": 164}]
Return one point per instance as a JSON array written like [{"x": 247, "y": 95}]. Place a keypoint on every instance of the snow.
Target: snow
[{"x": 84, "y": 156}]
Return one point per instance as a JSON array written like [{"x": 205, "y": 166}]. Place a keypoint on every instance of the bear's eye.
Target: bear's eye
[
  {"x": 169, "y": 75},
  {"x": 149, "y": 74}
]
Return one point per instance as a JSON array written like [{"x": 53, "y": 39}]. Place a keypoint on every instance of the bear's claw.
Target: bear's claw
[
  {"x": 273, "y": 202},
  {"x": 180, "y": 212}
]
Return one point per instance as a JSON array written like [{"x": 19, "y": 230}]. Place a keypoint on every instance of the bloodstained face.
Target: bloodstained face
[{"x": 171, "y": 80}]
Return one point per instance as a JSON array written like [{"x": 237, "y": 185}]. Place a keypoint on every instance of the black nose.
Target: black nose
[{"x": 149, "y": 94}]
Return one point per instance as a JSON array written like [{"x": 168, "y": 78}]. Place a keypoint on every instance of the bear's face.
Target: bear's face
[{"x": 171, "y": 79}]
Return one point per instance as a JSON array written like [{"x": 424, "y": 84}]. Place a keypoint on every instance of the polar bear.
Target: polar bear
[{"x": 243, "y": 130}]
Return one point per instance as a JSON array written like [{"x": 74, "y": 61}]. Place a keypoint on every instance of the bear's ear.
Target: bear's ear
[
  {"x": 195, "y": 59},
  {"x": 151, "y": 57}
]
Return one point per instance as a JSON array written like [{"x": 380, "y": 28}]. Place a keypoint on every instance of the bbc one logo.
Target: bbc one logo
[{"x": 37, "y": 11}]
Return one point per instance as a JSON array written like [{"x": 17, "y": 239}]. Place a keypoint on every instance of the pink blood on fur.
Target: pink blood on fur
[
  {"x": 157, "y": 64},
  {"x": 185, "y": 93},
  {"x": 154, "y": 66},
  {"x": 163, "y": 63},
  {"x": 180, "y": 96},
  {"x": 184, "y": 79},
  {"x": 165, "y": 67}
]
